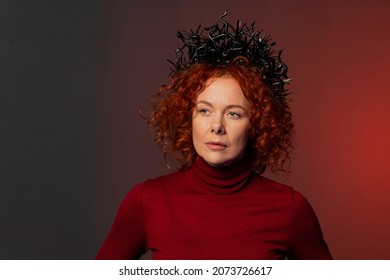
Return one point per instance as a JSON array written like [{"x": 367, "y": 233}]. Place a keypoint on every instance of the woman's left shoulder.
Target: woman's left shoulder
[{"x": 270, "y": 186}]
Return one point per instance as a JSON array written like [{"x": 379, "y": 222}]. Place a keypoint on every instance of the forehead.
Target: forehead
[{"x": 223, "y": 89}]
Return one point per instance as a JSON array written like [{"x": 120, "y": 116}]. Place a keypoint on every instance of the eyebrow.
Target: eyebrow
[{"x": 226, "y": 107}]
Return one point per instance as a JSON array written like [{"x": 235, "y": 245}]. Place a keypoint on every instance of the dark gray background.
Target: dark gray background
[
  {"x": 51, "y": 93},
  {"x": 70, "y": 98}
]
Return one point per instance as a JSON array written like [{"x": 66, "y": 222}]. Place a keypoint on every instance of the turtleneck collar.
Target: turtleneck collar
[{"x": 227, "y": 179}]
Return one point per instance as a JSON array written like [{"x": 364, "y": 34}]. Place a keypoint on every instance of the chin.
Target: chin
[{"x": 218, "y": 163}]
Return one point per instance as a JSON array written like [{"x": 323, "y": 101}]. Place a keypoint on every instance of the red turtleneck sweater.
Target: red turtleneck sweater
[{"x": 214, "y": 213}]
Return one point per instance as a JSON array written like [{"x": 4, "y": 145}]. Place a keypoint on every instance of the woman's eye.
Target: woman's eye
[
  {"x": 203, "y": 111},
  {"x": 234, "y": 115}
]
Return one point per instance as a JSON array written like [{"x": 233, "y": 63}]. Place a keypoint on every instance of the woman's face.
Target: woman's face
[{"x": 220, "y": 122}]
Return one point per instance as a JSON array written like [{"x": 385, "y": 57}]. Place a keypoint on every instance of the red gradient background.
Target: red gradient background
[{"x": 338, "y": 57}]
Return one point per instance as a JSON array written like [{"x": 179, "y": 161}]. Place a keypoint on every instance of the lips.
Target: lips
[{"x": 216, "y": 145}]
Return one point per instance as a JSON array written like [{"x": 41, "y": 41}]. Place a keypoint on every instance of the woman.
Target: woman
[{"x": 224, "y": 117}]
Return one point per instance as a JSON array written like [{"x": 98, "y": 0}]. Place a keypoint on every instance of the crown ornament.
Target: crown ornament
[{"x": 220, "y": 43}]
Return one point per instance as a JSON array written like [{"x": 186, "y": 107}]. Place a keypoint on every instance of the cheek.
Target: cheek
[
  {"x": 243, "y": 135},
  {"x": 197, "y": 136},
  {"x": 199, "y": 126},
  {"x": 196, "y": 131}
]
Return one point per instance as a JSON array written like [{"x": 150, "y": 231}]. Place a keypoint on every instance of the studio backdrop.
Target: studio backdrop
[{"x": 75, "y": 75}]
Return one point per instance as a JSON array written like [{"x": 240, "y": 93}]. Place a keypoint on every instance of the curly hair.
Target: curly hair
[{"x": 270, "y": 142}]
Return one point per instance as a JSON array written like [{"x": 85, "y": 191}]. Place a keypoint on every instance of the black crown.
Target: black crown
[{"x": 219, "y": 44}]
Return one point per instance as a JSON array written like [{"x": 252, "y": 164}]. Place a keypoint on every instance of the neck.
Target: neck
[{"x": 225, "y": 179}]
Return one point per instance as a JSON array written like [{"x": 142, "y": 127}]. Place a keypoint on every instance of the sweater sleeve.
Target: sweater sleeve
[
  {"x": 126, "y": 239},
  {"x": 307, "y": 239}
]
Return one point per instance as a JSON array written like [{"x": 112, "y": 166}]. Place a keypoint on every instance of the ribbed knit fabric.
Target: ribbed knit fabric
[{"x": 215, "y": 213}]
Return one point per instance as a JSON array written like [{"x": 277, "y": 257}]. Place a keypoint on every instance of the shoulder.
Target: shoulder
[
  {"x": 268, "y": 185},
  {"x": 155, "y": 186},
  {"x": 167, "y": 180},
  {"x": 297, "y": 204},
  {"x": 280, "y": 191}
]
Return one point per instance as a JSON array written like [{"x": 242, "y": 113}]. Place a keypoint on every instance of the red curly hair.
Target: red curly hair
[{"x": 271, "y": 124}]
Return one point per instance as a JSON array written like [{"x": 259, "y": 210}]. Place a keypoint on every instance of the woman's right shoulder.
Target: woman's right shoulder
[{"x": 158, "y": 184}]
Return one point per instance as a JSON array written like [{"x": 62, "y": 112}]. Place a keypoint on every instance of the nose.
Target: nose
[{"x": 217, "y": 126}]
